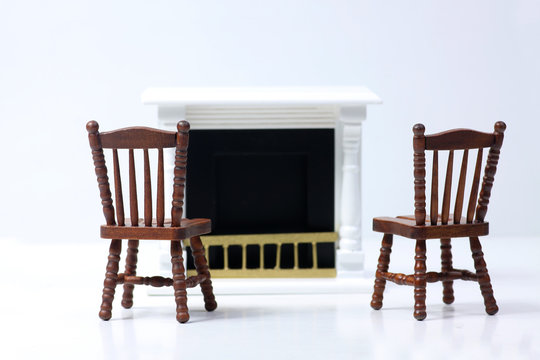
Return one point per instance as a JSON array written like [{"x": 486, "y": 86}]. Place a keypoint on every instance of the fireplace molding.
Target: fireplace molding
[{"x": 339, "y": 108}]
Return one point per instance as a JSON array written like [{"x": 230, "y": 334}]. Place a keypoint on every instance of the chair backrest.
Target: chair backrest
[
  {"x": 139, "y": 138},
  {"x": 458, "y": 139}
]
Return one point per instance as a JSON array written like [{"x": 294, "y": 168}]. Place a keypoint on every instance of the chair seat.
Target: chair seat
[
  {"x": 406, "y": 226},
  {"x": 187, "y": 229}
]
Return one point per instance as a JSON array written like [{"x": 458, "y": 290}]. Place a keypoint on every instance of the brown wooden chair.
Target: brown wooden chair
[
  {"x": 149, "y": 228},
  {"x": 443, "y": 226}
]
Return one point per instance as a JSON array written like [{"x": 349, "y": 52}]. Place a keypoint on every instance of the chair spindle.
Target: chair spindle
[
  {"x": 120, "y": 217},
  {"x": 445, "y": 214},
  {"x": 434, "y": 216},
  {"x": 474, "y": 187},
  {"x": 461, "y": 188},
  {"x": 147, "y": 191},
  {"x": 133, "y": 205},
  {"x": 160, "y": 202}
]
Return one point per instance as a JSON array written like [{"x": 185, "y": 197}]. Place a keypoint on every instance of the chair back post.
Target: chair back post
[
  {"x": 490, "y": 170},
  {"x": 101, "y": 171},
  {"x": 180, "y": 162},
  {"x": 419, "y": 146}
]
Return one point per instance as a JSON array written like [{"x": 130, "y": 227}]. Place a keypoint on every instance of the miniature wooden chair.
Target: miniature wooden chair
[
  {"x": 443, "y": 226},
  {"x": 149, "y": 228}
]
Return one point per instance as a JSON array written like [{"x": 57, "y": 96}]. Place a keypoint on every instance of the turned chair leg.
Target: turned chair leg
[
  {"x": 179, "y": 282},
  {"x": 111, "y": 277},
  {"x": 483, "y": 277},
  {"x": 446, "y": 265},
  {"x": 197, "y": 250},
  {"x": 131, "y": 269},
  {"x": 382, "y": 267},
  {"x": 420, "y": 280}
]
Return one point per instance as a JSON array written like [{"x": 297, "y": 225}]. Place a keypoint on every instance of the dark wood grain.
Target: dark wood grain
[
  {"x": 111, "y": 276},
  {"x": 155, "y": 281},
  {"x": 431, "y": 277},
  {"x": 419, "y": 145},
  {"x": 138, "y": 138},
  {"x": 446, "y": 266},
  {"x": 180, "y": 163},
  {"x": 420, "y": 280},
  {"x": 187, "y": 229},
  {"x": 397, "y": 278},
  {"x": 409, "y": 229},
  {"x": 474, "y": 187},
  {"x": 459, "y": 139},
  {"x": 382, "y": 267},
  {"x": 483, "y": 277},
  {"x": 131, "y": 270},
  {"x": 195, "y": 280},
  {"x": 158, "y": 281},
  {"x": 434, "y": 206},
  {"x": 120, "y": 218},
  {"x": 489, "y": 172},
  {"x": 458, "y": 207},
  {"x": 101, "y": 171},
  {"x": 160, "y": 202},
  {"x": 201, "y": 265},
  {"x": 179, "y": 282},
  {"x": 147, "y": 190},
  {"x": 445, "y": 213},
  {"x": 133, "y": 203},
  {"x": 150, "y": 227},
  {"x": 444, "y": 226}
]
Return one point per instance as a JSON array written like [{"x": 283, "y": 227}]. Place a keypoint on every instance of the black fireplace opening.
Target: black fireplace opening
[
  {"x": 262, "y": 182},
  {"x": 259, "y": 193}
]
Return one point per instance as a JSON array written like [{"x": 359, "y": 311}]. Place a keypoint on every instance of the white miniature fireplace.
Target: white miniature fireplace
[{"x": 340, "y": 108}]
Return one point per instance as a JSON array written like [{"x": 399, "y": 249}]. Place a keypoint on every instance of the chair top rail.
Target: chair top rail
[
  {"x": 459, "y": 139},
  {"x": 138, "y": 138}
]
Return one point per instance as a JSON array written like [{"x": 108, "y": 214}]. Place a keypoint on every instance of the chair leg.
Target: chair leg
[
  {"x": 131, "y": 269},
  {"x": 446, "y": 265},
  {"x": 111, "y": 277},
  {"x": 382, "y": 266},
  {"x": 179, "y": 282},
  {"x": 197, "y": 250},
  {"x": 483, "y": 276},
  {"x": 420, "y": 280}
]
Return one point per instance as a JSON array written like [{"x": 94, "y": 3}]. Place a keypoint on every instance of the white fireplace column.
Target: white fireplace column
[
  {"x": 350, "y": 256},
  {"x": 339, "y": 108}
]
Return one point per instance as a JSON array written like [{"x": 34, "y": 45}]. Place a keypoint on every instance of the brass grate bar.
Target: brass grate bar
[
  {"x": 314, "y": 254},
  {"x": 294, "y": 239},
  {"x": 261, "y": 257},
  {"x": 278, "y": 256},
  {"x": 244, "y": 255},
  {"x": 295, "y": 256}
]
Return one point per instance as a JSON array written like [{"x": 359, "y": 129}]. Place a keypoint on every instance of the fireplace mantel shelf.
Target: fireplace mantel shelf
[
  {"x": 339, "y": 108},
  {"x": 260, "y": 96}
]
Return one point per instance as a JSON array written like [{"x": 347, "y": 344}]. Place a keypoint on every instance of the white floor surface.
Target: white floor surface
[{"x": 51, "y": 296}]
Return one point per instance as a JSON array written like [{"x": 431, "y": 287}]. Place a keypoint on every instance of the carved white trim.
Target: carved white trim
[{"x": 253, "y": 117}]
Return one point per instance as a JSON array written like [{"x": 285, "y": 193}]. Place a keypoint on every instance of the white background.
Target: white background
[{"x": 443, "y": 63}]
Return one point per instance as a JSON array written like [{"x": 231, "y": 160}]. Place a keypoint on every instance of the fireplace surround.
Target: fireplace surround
[{"x": 338, "y": 110}]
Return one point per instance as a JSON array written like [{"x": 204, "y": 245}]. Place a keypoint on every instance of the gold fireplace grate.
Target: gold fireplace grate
[{"x": 293, "y": 255}]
